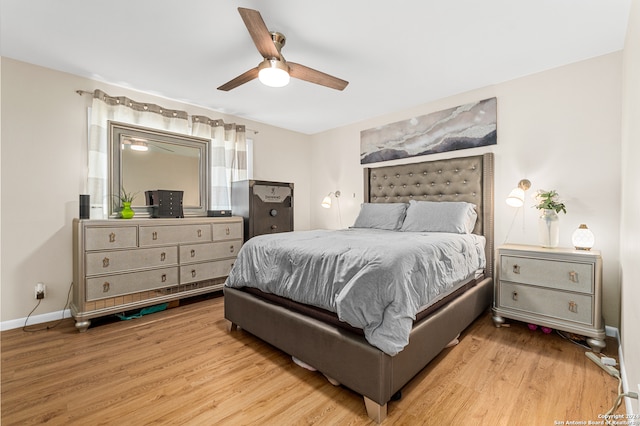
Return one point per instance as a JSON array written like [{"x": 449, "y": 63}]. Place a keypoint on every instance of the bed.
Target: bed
[{"x": 343, "y": 352}]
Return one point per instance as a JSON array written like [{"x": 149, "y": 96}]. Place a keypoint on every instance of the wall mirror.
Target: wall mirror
[{"x": 143, "y": 159}]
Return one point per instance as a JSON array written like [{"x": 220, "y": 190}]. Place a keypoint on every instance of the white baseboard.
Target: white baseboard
[
  {"x": 614, "y": 332},
  {"x": 35, "y": 319}
]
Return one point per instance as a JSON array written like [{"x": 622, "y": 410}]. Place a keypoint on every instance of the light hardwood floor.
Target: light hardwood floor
[{"x": 182, "y": 366}]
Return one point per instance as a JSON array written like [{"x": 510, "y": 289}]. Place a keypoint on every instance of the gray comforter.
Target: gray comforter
[{"x": 372, "y": 279}]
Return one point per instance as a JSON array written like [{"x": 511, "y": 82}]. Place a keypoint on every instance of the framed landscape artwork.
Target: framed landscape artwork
[{"x": 466, "y": 126}]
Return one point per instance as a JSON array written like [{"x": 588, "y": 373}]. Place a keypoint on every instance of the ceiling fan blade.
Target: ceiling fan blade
[
  {"x": 239, "y": 80},
  {"x": 259, "y": 33},
  {"x": 314, "y": 76}
]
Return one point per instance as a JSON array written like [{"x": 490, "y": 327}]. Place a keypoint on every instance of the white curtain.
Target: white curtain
[
  {"x": 228, "y": 149},
  {"x": 228, "y": 157}
]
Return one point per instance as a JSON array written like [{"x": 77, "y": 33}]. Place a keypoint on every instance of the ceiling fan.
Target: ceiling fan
[{"x": 274, "y": 70}]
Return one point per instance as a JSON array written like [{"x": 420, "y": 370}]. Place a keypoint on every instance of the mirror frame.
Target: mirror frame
[{"x": 116, "y": 129}]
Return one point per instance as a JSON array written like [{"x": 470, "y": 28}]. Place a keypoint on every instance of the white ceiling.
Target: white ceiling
[{"x": 395, "y": 54}]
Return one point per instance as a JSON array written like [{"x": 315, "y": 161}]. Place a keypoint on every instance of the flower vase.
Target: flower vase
[
  {"x": 127, "y": 212},
  {"x": 549, "y": 228}
]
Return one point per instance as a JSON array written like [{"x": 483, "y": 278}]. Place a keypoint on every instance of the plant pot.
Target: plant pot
[
  {"x": 549, "y": 228},
  {"x": 126, "y": 212}
]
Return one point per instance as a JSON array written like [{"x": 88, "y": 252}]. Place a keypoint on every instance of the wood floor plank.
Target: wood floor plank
[{"x": 182, "y": 366}]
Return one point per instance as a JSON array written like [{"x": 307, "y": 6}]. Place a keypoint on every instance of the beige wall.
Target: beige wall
[
  {"x": 630, "y": 209},
  {"x": 43, "y": 134},
  {"x": 559, "y": 128}
]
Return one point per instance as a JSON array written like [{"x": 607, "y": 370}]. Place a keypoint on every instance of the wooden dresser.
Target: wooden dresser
[
  {"x": 558, "y": 288},
  {"x": 121, "y": 265}
]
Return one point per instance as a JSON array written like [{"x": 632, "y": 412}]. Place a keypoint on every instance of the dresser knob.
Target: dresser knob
[
  {"x": 231, "y": 249},
  {"x": 163, "y": 256},
  {"x": 514, "y": 295},
  {"x": 273, "y": 212},
  {"x": 274, "y": 227},
  {"x": 573, "y": 276},
  {"x": 112, "y": 237},
  {"x": 105, "y": 262},
  {"x": 105, "y": 287},
  {"x": 193, "y": 273},
  {"x": 573, "y": 307},
  {"x": 193, "y": 253},
  {"x": 516, "y": 269},
  {"x": 154, "y": 235},
  {"x": 227, "y": 231},
  {"x": 199, "y": 233},
  {"x": 163, "y": 278}
]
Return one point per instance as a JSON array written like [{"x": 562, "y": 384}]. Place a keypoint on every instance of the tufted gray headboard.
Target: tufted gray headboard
[{"x": 467, "y": 179}]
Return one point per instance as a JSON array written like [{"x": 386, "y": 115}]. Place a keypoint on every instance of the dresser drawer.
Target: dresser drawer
[
  {"x": 116, "y": 237},
  {"x": 555, "y": 304},
  {"x": 205, "y": 271},
  {"x": 133, "y": 282},
  {"x": 211, "y": 251},
  {"x": 124, "y": 260},
  {"x": 227, "y": 231},
  {"x": 173, "y": 234},
  {"x": 572, "y": 276}
]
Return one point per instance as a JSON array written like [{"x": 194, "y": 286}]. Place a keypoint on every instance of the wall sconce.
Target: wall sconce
[
  {"x": 516, "y": 196},
  {"x": 326, "y": 201},
  {"x": 582, "y": 238}
]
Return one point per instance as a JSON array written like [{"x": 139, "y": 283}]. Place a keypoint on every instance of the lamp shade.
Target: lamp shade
[
  {"x": 582, "y": 238},
  {"x": 326, "y": 202},
  {"x": 516, "y": 198}
]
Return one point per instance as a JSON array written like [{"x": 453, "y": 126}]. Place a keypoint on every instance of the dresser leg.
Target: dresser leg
[
  {"x": 498, "y": 320},
  {"x": 82, "y": 326},
  {"x": 596, "y": 344}
]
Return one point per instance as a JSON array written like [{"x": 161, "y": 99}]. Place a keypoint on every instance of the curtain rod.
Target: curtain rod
[{"x": 86, "y": 92}]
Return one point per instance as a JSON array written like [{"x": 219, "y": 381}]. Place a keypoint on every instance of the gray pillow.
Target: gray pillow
[
  {"x": 440, "y": 216},
  {"x": 381, "y": 216}
]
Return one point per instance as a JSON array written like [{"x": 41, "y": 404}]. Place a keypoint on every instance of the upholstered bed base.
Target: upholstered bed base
[{"x": 346, "y": 356}]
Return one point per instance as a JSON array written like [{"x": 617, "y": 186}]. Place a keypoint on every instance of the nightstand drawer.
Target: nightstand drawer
[
  {"x": 572, "y": 276},
  {"x": 555, "y": 304}
]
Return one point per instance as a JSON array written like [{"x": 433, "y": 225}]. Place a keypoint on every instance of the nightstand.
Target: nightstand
[{"x": 558, "y": 288}]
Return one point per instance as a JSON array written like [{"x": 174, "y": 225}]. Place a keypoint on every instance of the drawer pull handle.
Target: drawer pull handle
[
  {"x": 193, "y": 273},
  {"x": 573, "y": 307},
  {"x": 105, "y": 287},
  {"x": 227, "y": 231},
  {"x": 163, "y": 278},
  {"x": 193, "y": 253},
  {"x": 514, "y": 295},
  {"x": 154, "y": 235},
  {"x": 573, "y": 276},
  {"x": 112, "y": 237},
  {"x": 163, "y": 256},
  {"x": 105, "y": 262},
  {"x": 199, "y": 233},
  {"x": 274, "y": 227},
  {"x": 231, "y": 249},
  {"x": 516, "y": 269}
]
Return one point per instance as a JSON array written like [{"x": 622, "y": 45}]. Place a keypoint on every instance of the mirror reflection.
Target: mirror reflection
[{"x": 152, "y": 164}]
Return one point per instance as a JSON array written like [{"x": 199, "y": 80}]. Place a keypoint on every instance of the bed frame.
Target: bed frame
[{"x": 346, "y": 356}]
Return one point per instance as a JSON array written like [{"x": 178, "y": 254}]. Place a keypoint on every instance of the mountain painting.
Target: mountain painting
[{"x": 466, "y": 126}]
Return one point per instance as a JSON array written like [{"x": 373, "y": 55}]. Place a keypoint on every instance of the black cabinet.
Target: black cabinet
[{"x": 267, "y": 207}]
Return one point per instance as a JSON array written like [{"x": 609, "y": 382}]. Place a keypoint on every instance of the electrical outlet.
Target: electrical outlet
[{"x": 40, "y": 291}]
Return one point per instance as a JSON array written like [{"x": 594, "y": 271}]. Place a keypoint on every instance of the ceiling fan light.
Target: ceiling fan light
[{"x": 273, "y": 73}]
